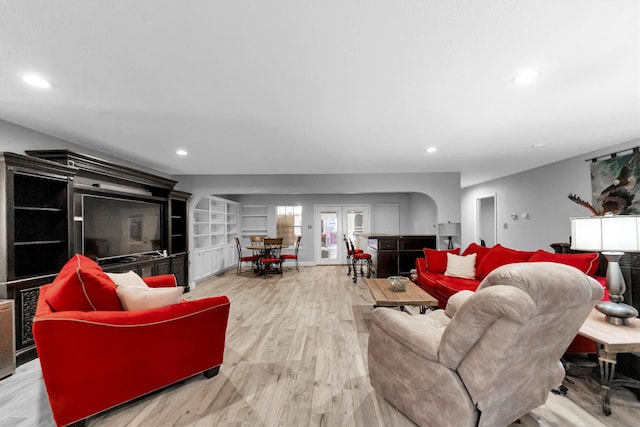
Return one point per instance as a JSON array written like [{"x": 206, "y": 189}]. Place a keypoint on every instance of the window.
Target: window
[{"x": 289, "y": 223}]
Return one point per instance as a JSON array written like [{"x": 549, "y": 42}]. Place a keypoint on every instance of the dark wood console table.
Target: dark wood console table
[{"x": 395, "y": 255}]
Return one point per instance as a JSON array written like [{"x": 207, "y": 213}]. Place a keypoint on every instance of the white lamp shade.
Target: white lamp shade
[
  {"x": 449, "y": 229},
  {"x": 608, "y": 233}
]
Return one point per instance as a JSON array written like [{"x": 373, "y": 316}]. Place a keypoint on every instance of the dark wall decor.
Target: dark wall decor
[{"x": 614, "y": 184}]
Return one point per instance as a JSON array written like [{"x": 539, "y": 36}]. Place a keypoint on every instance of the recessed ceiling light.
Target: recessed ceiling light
[
  {"x": 181, "y": 152},
  {"x": 36, "y": 81},
  {"x": 525, "y": 77},
  {"x": 432, "y": 149},
  {"x": 540, "y": 145}
]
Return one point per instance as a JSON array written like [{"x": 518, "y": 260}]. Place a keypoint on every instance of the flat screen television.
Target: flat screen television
[{"x": 114, "y": 227}]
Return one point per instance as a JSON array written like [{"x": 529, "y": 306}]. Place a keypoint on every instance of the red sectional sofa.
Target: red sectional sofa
[
  {"x": 97, "y": 353},
  {"x": 431, "y": 271},
  {"x": 433, "y": 277}
]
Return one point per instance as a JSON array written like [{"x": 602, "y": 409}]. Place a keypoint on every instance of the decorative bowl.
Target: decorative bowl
[{"x": 398, "y": 283}]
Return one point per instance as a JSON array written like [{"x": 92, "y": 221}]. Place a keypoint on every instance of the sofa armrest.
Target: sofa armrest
[
  {"x": 161, "y": 281},
  {"x": 419, "y": 334},
  {"x": 94, "y": 360},
  {"x": 455, "y": 302}
]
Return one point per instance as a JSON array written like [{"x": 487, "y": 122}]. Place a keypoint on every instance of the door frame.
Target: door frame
[
  {"x": 480, "y": 218},
  {"x": 317, "y": 210},
  {"x": 342, "y": 211}
]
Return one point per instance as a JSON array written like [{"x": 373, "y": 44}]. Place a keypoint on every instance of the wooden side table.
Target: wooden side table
[
  {"x": 7, "y": 339},
  {"x": 611, "y": 340}
]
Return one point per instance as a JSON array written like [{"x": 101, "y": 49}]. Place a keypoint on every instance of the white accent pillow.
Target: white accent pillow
[
  {"x": 461, "y": 266},
  {"x": 136, "y": 298},
  {"x": 130, "y": 278}
]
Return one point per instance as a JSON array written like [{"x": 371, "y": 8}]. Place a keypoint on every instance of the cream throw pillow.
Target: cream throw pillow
[
  {"x": 130, "y": 278},
  {"x": 461, "y": 266},
  {"x": 136, "y": 298}
]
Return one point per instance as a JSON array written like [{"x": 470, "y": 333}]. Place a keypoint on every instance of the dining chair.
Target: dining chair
[
  {"x": 244, "y": 258},
  {"x": 270, "y": 261},
  {"x": 256, "y": 240},
  {"x": 293, "y": 256}
]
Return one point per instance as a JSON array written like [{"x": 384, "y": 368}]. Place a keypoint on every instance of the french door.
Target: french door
[{"x": 332, "y": 223}]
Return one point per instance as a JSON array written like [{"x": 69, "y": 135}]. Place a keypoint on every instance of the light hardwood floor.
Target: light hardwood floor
[{"x": 295, "y": 356}]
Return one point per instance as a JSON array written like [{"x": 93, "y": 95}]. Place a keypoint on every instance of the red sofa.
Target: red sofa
[
  {"x": 431, "y": 270},
  {"x": 95, "y": 355},
  {"x": 431, "y": 273}
]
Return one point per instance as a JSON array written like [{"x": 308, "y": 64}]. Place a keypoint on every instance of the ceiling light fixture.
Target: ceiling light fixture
[
  {"x": 181, "y": 152},
  {"x": 432, "y": 150},
  {"x": 525, "y": 77},
  {"x": 36, "y": 81},
  {"x": 540, "y": 145}
]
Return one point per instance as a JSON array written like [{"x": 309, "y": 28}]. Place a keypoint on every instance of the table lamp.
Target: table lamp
[
  {"x": 449, "y": 229},
  {"x": 612, "y": 235}
]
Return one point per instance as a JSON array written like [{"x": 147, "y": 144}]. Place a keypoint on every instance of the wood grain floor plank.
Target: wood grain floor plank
[{"x": 296, "y": 355}]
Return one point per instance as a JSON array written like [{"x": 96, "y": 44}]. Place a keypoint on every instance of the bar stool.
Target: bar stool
[
  {"x": 349, "y": 253},
  {"x": 360, "y": 258}
]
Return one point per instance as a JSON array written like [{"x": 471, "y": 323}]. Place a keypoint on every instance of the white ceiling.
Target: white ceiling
[{"x": 332, "y": 86}]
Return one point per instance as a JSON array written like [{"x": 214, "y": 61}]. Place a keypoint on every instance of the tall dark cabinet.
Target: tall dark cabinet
[
  {"x": 41, "y": 199},
  {"x": 178, "y": 232},
  {"x": 35, "y": 234}
]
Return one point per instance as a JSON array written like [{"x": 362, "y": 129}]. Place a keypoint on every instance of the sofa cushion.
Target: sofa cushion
[
  {"x": 81, "y": 285},
  {"x": 461, "y": 266},
  {"x": 585, "y": 262},
  {"x": 448, "y": 286},
  {"x": 499, "y": 256},
  {"x": 130, "y": 278},
  {"x": 429, "y": 278},
  {"x": 437, "y": 260},
  {"x": 475, "y": 248},
  {"x": 137, "y": 298}
]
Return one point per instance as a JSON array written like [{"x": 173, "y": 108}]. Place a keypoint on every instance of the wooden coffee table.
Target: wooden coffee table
[{"x": 385, "y": 297}]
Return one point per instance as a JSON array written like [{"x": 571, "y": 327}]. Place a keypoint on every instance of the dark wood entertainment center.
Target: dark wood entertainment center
[{"x": 42, "y": 224}]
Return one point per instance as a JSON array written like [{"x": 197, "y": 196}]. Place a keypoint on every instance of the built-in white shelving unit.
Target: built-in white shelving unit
[
  {"x": 215, "y": 225},
  {"x": 232, "y": 222},
  {"x": 254, "y": 222}
]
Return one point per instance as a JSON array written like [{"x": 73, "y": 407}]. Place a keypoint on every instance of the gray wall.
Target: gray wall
[
  {"x": 18, "y": 139},
  {"x": 418, "y": 212},
  {"x": 442, "y": 188},
  {"x": 540, "y": 192},
  {"x": 425, "y": 198}
]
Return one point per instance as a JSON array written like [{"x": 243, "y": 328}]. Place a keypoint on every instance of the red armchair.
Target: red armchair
[{"x": 93, "y": 360}]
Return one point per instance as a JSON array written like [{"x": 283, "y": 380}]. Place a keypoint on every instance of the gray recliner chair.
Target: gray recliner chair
[{"x": 491, "y": 356}]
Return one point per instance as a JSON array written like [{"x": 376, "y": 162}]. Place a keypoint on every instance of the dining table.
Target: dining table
[{"x": 260, "y": 251}]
